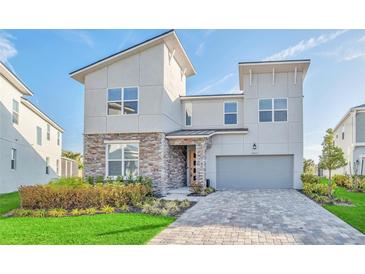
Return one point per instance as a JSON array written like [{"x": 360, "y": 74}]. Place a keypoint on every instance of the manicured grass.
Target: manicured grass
[
  {"x": 122, "y": 228},
  {"x": 353, "y": 215},
  {"x": 8, "y": 202}
]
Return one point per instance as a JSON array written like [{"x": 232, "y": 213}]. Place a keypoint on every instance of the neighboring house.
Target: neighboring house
[
  {"x": 30, "y": 142},
  {"x": 350, "y": 136},
  {"x": 140, "y": 121},
  {"x": 69, "y": 168}
]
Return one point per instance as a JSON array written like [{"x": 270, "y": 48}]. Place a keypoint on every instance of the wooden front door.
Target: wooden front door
[{"x": 192, "y": 166}]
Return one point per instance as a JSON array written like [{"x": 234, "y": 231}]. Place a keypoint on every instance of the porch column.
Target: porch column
[{"x": 200, "y": 149}]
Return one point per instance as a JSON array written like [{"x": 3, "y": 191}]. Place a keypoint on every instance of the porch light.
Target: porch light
[{"x": 254, "y": 146}]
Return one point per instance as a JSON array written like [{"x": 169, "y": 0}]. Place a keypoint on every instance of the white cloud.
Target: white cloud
[
  {"x": 305, "y": 45},
  {"x": 84, "y": 37},
  {"x": 209, "y": 86},
  {"x": 350, "y": 51},
  {"x": 201, "y": 46},
  {"x": 7, "y": 48},
  {"x": 312, "y": 152}
]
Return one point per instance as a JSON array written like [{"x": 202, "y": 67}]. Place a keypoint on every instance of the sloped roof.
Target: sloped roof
[
  {"x": 14, "y": 80},
  {"x": 169, "y": 38}
]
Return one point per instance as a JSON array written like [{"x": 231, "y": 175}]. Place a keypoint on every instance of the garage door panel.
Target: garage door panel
[{"x": 254, "y": 172}]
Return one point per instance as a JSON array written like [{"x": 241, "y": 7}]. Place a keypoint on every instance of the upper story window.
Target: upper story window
[
  {"x": 230, "y": 113},
  {"x": 39, "y": 136},
  {"x": 188, "y": 113},
  {"x": 48, "y": 132},
  {"x": 58, "y": 166},
  {"x": 273, "y": 110},
  {"x": 58, "y": 138},
  {"x": 15, "y": 116},
  {"x": 47, "y": 165},
  {"x": 122, "y": 159},
  {"x": 122, "y": 101},
  {"x": 343, "y": 133},
  {"x": 13, "y": 159}
]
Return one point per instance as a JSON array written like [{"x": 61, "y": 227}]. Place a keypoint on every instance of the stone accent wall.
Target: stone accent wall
[
  {"x": 201, "y": 145},
  {"x": 164, "y": 164}
]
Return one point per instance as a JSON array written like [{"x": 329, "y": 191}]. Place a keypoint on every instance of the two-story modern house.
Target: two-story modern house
[
  {"x": 30, "y": 142},
  {"x": 350, "y": 136},
  {"x": 139, "y": 120}
]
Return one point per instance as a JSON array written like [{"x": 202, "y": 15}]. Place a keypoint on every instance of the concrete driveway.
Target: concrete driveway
[{"x": 258, "y": 217}]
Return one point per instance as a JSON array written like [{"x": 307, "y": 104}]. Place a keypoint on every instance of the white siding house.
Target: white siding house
[{"x": 30, "y": 142}]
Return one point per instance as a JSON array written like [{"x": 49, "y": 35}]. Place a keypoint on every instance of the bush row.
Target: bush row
[{"x": 82, "y": 196}]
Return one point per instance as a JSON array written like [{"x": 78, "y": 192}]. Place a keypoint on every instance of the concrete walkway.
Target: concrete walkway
[{"x": 258, "y": 217}]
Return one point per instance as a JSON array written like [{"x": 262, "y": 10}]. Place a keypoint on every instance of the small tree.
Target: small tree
[
  {"x": 332, "y": 157},
  {"x": 309, "y": 166}
]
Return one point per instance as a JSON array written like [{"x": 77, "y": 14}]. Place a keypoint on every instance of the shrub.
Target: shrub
[
  {"x": 319, "y": 189},
  {"x": 342, "y": 180},
  {"x": 107, "y": 209},
  {"x": 151, "y": 209},
  {"x": 362, "y": 185},
  {"x": 90, "y": 211},
  {"x": 124, "y": 208},
  {"x": 56, "y": 212},
  {"x": 99, "y": 179},
  {"x": 76, "y": 212},
  {"x": 90, "y": 180},
  {"x": 185, "y": 203},
  {"x": 20, "y": 212},
  {"x": 209, "y": 190},
  {"x": 172, "y": 207},
  {"x": 39, "y": 213},
  {"x": 57, "y": 195},
  {"x": 310, "y": 179},
  {"x": 72, "y": 182},
  {"x": 196, "y": 188}
]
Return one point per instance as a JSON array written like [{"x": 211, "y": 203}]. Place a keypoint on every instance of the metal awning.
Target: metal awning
[{"x": 204, "y": 133}]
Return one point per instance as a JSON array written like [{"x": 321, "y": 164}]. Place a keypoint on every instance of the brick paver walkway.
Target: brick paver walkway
[{"x": 258, "y": 217}]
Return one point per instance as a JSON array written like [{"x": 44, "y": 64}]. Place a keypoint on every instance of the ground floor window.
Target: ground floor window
[{"x": 122, "y": 159}]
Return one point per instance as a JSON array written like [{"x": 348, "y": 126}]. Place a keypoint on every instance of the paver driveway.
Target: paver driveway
[{"x": 258, "y": 217}]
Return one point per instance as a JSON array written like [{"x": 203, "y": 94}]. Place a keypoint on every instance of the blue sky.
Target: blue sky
[{"x": 334, "y": 83}]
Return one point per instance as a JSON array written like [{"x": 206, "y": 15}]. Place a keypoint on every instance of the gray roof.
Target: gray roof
[
  {"x": 202, "y": 132},
  {"x": 361, "y": 106}
]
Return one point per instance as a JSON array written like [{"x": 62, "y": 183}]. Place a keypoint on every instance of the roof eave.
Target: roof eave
[{"x": 14, "y": 80}]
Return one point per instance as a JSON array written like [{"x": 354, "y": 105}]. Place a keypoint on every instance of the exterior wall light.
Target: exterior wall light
[{"x": 254, "y": 146}]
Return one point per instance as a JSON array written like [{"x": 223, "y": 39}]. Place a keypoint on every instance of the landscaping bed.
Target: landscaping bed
[
  {"x": 347, "y": 202},
  {"x": 71, "y": 211}
]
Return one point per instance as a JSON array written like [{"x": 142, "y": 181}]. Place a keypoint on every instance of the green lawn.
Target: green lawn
[
  {"x": 123, "y": 228},
  {"x": 353, "y": 215},
  {"x": 8, "y": 202}
]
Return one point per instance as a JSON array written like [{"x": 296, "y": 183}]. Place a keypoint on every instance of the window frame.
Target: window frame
[
  {"x": 13, "y": 159},
  {"x": 58, "y": 138},
  {"x": 224, "y": 112},
  {"x": 15, "y": 112},
  {"x": 58, "y": 166},
  {"x": 191, "y": 115},
  {"x": 273, "y": 110},
  {"x": 122, "y": 160},
  {"x": 121, "y": 101}
]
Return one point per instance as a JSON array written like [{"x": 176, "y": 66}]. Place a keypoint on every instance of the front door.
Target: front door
[{"x": 192, "y": 165}]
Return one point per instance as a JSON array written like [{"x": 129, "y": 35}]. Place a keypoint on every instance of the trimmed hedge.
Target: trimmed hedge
[{"x": 83, "y": 196}]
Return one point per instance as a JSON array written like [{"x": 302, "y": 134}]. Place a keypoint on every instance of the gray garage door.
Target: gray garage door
[{"x": 254, "y": 172}]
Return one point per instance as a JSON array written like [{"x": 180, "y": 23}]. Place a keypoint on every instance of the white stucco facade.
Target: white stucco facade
[
  {"x": 350, "y": 137},
  {"x": 30, "y": 158},
  {"x": 162, "y": 101}
]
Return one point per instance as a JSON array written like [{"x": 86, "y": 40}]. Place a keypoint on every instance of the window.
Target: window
[
  {"x": 57, "y": 166},
  {"x": 343, "y": 133},
  {"x": 230, "y": 113},
  {"x": 47, "y": 165},
  {"x": 123, "y": 101},
  {"x": 48, "y": 132},
  {"x": 58, "y": 138},
  {"x": 39, "y": 136},
  {"x": 188, "y": 113},
  {"x": 15, "y": 115},
  {"x": 122, "y": 159},
  {"x": 13, "y": 159},
  {"x": 273, "y": 110}
]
